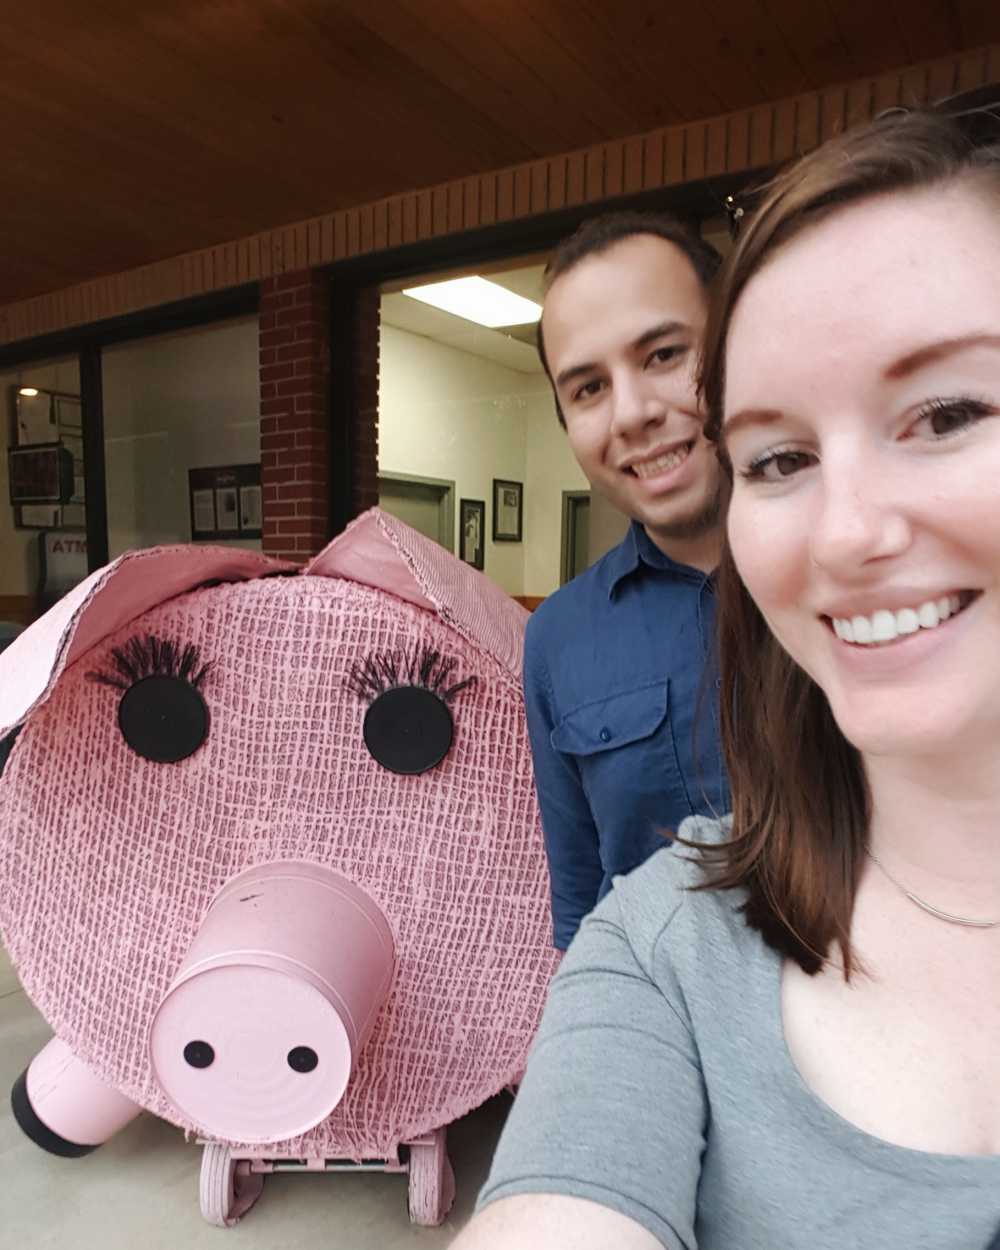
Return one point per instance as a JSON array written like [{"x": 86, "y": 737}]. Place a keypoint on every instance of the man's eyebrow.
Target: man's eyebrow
[
  {"x": 574, "y": 371},
  {"x": 933, "y": 352},
  {"x": 654, "y": 332},
  {"x": 658, "y": 332}
]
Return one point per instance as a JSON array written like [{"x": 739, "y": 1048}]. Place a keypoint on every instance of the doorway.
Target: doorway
[
  {"x": 575, "y": 534},
  {"x": 427, "y": 504}
]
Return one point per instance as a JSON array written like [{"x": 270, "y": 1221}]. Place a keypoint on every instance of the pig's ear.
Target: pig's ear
[
  {"x": 105, "y": 601},
  {"x": 381, "y": 551}
]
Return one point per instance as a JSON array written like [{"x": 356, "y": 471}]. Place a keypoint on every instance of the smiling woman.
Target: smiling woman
[
  {"x": 784, "y": 1033},
  {"x": 854, "y": 407}
]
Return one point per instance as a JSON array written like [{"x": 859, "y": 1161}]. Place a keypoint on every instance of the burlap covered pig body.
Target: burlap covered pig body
[{"x": 112, "y": 850}]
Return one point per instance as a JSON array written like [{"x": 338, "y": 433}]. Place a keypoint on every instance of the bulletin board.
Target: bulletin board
[{"x": 226, "y": 502}]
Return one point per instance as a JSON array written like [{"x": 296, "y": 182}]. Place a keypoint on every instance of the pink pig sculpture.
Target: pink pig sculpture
[{"x": 270, "y": 858}]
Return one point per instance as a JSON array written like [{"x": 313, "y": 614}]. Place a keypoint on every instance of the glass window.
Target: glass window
[
  {"x": 41, "y": 408},
  {"x": 182, "y": 437}
]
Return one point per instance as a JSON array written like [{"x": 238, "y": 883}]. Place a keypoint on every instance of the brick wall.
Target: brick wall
[
  {"x": 294, "y": 413},
  {"x": 306, "y": 409},
  {"x": 733, "y": 143},
  {"x": 306, "y": 415}
]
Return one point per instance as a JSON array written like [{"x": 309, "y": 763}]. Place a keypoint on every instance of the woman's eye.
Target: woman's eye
[
  {"x": 944, "y": 417},
  {"x": 774, "y": 466}
]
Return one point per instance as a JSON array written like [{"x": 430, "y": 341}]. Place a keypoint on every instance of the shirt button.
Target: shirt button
[{"x": 605, "y": 734}]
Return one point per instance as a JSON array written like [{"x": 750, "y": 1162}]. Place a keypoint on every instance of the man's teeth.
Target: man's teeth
[
  {"x": 649, "y": 468},
  {"x": 886, "y": 626}
]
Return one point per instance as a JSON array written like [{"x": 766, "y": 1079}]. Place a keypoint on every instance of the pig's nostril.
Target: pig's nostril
[
  {"x": 302, "y": 1059},
  {"x": 199, "y": 1054}
]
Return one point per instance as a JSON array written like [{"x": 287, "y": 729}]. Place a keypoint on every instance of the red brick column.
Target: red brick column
[{"x": 294, "y": 413}]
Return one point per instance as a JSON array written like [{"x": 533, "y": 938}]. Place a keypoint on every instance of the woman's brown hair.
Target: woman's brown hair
[{"x": 801, "y": 806}]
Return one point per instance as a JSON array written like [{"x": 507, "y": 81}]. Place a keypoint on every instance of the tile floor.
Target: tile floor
[{"x": 141, "y": 1189}]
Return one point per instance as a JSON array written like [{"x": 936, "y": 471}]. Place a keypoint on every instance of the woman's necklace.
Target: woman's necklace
[{"x": 934, "y": 911}]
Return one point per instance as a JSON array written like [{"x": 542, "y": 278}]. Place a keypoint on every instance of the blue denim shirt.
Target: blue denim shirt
[{"x": 621, "y": 695}]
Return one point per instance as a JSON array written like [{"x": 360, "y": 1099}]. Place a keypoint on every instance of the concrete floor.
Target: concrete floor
[{"x": 141, "y": 1189}]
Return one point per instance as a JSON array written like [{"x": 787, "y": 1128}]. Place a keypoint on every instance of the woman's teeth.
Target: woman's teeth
[
  {"x": 649, "y": 468},
  {"x": 884, "y": 626}
]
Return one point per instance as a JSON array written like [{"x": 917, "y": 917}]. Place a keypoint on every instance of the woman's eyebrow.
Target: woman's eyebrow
[
  {"x": 749, "y": 416},
  {"x": 934, "y": 352},
  {"x": 901, "y": 368}
]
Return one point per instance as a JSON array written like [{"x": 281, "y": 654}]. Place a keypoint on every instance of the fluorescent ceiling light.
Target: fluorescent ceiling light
[
  {"x": 29, "y": 391},
  {"x": 475, "y": 299}
]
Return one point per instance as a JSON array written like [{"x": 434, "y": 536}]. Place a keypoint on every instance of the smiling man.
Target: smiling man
[{"x": 624, "y": 745}]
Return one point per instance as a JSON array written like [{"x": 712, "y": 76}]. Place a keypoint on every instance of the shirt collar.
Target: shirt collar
[{"x": 638, "y": 553}]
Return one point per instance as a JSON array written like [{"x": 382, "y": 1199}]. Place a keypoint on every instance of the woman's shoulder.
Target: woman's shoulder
[
  {"x": 665, "y": 916},
  {"x": 673, "y": 872}
]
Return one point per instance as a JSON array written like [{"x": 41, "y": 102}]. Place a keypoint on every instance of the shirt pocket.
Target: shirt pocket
[
  {"x": 623, "y": 748},
  {"x": 615, "y": 721}
]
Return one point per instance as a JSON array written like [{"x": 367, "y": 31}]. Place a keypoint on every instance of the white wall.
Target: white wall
[
  {"x": 171, "y": 403},
  {"x": 18, "y": 548},
  {"x": 552, "y": 469},
  {"x": 449, "y": 414}
]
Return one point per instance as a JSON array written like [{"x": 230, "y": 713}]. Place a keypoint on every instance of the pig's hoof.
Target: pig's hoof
[
  {"x": 432, "y": 1182},
  {"x": 228, "y": 1187},
  {"x": 38, "y": 1131}
]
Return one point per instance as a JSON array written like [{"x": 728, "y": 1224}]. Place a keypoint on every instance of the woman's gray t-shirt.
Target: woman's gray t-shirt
[{"x": 661, "y": 1085}]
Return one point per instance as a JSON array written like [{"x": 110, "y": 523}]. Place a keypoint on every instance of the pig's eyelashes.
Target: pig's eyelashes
[
  {"x": 145, "y": 655},
  {"x": 423, "y": 667},
  {"x": 408, "y": 727},
  {"x": 161, "y": 714}
]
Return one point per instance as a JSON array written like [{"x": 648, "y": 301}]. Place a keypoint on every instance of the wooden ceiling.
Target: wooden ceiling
[{"x": 132, "y": 132}]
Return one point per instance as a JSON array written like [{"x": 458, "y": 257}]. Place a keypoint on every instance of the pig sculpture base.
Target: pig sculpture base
[{"x": 231, "y": 1184}]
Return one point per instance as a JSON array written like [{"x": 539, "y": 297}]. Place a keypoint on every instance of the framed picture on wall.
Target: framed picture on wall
[
  {"x": 508, "y": 501},
  {"x": 472, "y": 532},
  {"x": 225, "y": 502}
]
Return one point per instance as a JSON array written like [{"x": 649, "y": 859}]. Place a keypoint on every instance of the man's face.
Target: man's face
[{"x": 622, "y": 334}]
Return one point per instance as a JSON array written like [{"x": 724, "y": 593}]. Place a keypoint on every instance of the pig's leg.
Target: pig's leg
[{"x": 63, "y": 1107}]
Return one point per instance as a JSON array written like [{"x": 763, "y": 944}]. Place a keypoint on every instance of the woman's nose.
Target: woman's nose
[{"x": 860, "y": 516}]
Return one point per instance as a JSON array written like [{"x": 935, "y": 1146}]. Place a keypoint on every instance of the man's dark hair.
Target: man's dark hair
[{"x": 601, "y": 233}]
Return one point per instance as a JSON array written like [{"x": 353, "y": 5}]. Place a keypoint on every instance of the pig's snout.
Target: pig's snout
[{"x": 257, "y": 1036}]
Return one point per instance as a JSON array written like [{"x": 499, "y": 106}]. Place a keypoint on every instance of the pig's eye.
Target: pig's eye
[
  {"x": 161, "y": 714},
  {"x": 408, "y": 726}
]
